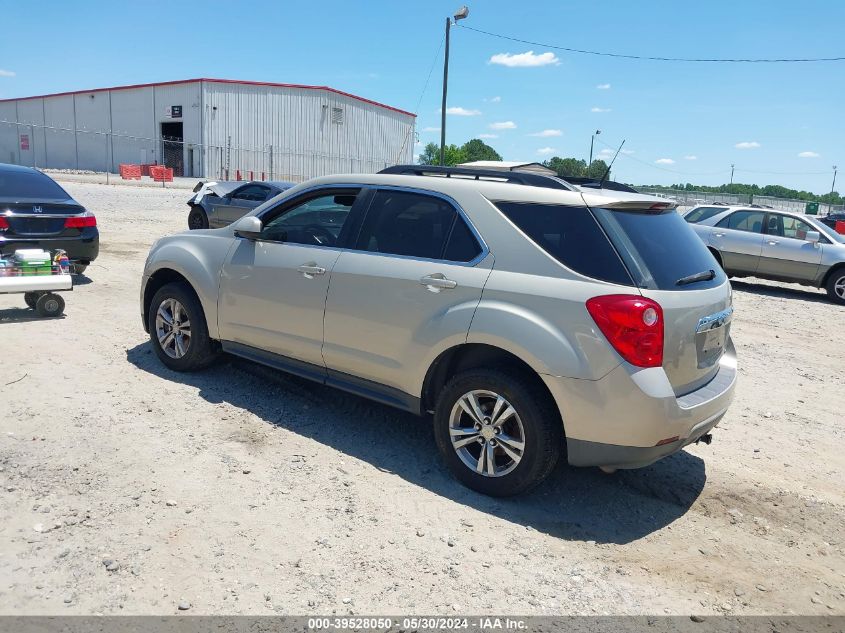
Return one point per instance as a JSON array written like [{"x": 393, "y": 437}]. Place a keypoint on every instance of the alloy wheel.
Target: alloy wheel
[
  {"x": 839, "y": 287},
  {"x": 487, "y": 433},
  {"x": 173, "y": 328}
]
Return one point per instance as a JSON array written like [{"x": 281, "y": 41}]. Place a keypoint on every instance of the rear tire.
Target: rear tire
[
  {"x": 836, "y": 286},
  {"x": 178, "y": 331},
  {"x": 31, "y": 298},
  {"x": 79, "y": 269},
  {"x": 49, "y": 305},
  {"x": 462, "y": 438},
  {"x": 197, "y": 219}
]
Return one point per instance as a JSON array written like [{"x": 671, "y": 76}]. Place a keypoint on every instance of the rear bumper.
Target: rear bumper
[
  {"x": 79, "y": 249},
  {"x": 631, "y": 417}
]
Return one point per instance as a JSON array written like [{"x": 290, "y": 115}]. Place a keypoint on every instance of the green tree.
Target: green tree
[
  {"x": 567, "y": 166},
  {"x": 597, "y": 169},
  {"x": 452, "y": 156},
  {"x": 476, "y": 149}
]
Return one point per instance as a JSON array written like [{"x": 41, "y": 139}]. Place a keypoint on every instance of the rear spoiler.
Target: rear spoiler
[{"x": 641, "y": 205}]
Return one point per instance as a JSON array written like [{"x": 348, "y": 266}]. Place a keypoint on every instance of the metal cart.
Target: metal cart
[{"x": 39, "y": 291}]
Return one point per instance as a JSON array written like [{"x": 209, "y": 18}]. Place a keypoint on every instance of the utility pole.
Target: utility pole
[
  {"x": 732, "y": 174},
  {"x": 592, "y": 138},
  {"x": 833, "y": 185},
  {"x": 459, "y": 15}
]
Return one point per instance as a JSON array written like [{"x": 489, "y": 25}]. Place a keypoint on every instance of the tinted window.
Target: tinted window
[
  {"x": 14, "y": 184},
  {"x": 572, "y": 236},
  {"x": 702, "y": 213},
  {"x": 316, "y": 221},
  {"x": 751, "y": 221},
  {"x": 410, "y": 224},
  {"x": 664, "y": 247},
  {"x": 253, "y": 193},
  {"x": 462, "y": 245}
]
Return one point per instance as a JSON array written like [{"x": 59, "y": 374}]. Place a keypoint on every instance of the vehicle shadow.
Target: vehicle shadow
[
  {"x": 782, "y": 291},
  {"x": 573, "y": 503},
  {"x": 81, "y": 279},
  {"x": 22, "y": 315}
]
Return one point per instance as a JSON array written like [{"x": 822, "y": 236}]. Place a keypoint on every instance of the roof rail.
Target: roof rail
[
  {"x": 595, "y": 183},
  {"x": 498, "y": 175}
]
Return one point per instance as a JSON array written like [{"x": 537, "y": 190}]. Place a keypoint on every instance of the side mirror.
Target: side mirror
[
  {"x": 248, "y": 227},
  {"x": 813, "y": 237}
]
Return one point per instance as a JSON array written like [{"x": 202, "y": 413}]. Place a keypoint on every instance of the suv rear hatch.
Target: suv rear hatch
[{"x": 671, "y": 265}]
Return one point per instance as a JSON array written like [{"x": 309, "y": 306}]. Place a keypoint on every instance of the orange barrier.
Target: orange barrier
[
  {"x": 237, "y": 174},
  {"x": 130, "y": 172},
  {"x": 840, "y": 227},
  {"x": 145, "y": 168},
  {"x": 160, "y": 173}
]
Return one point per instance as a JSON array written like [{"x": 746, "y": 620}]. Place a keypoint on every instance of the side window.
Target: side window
[
  {"x": 750, "y": 221},
  {"x": 572, "y": 236},
  {"x": 315, "y": 221},
  {"x": 788, "y": 226},
  {"x": 700, "y": 214},
  {"x": 252, "y": 193},
  {"x": 415, "y": 225}
]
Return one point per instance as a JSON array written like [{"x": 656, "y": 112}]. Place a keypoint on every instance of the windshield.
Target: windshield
[
  {"x": 15, "y": 185},
  {"x": 825, "y": 230}
]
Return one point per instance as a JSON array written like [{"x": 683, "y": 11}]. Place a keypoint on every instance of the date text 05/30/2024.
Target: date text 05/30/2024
[{"x": 490, "y": 623}]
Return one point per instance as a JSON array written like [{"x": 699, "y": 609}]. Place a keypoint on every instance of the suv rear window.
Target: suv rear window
[
  {"x": 572, "y": 236},
  {"x": 664, "y": 248},
  {"x": 702, "y": 213}
]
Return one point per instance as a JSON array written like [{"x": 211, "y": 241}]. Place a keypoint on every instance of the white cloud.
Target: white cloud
[
  {"x": 606, "y": 153},
  {"x": 747, "y": 145},
  {"x": 458, "y": 111},
  {"x": 546, "y": 150},
  {"x": 547, "y": 133},
  {"x": 627, "y": 152},
  {"x": 603, "y": 87},
  {"x": 503, "y": 125},
  {"x": 808, "y": 155},
  {"x": 488, "y": 136},
  {"x": 524, "y": 60},
  {"x": 690, "y": 157},
  {"x": 494, "y": 99},
  {"x": 431, "y": 129},
  {"x": 598, "y": 109},
  {"x": 7, "y": 73},
  {"x": 665, "y": 161}
]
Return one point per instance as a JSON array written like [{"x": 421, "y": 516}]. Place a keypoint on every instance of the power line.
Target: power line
[
  {"x": 659, "y": 59},
  {"x": 422, "y": 94}
]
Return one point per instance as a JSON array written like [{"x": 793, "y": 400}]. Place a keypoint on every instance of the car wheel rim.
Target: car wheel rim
[
  {"x": 173, "y": 328},
  {"x": 839, "y": 287},
  {"x": 487, "y": 433},
  {"x": 196, "y": 221},
  {"x": 51, "y": 305}
]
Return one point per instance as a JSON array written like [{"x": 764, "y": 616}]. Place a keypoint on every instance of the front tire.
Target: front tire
[
  {"x": 78, "y": 268},
  {"x": 836, "y": 286},
  {"x": 49, "y": 305},
  {"x": 178, "y": 331},
  {"x": 197, "y": 219},
  {"x": 499, "y": 433}
]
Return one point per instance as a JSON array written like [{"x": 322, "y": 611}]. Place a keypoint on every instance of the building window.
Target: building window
[{"x": 337, "y": 115}]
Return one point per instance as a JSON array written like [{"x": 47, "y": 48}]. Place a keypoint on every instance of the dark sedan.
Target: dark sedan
[
  {"x": 216, "y": 204},
  {"x": 832, "y": 218},
  {"x": 35, "y": 212}
]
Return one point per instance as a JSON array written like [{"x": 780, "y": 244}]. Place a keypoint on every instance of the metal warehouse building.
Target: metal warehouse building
[{"x": 212, "y": 128}]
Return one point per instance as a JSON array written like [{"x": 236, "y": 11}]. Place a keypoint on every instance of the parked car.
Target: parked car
[
  {"x": 35, "y": 212},
  {"x": 529, "y": 318},
  {"x": 832, "y": 218},
  {"x": 215, "y": 204},
  {"x": 770, "y": 244}
]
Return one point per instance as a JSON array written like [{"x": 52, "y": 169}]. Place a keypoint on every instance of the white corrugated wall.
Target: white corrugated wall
[{"x": 291, "y": 134}]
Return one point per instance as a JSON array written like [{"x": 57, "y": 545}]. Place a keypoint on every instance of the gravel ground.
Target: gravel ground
[{"x": 127, "y": 488}]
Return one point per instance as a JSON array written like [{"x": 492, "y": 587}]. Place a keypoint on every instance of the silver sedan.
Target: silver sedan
[{"x": 219, "y": 203}]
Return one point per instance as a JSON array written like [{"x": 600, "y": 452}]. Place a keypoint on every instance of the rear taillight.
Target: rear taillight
[
  {"x": 80, "y": 222},
  {"x": 633, "y": 325},
  {"x": 4, "y": 223}
]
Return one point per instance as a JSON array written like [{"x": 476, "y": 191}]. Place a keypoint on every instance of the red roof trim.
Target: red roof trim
[{"x": 218, "y": 81}]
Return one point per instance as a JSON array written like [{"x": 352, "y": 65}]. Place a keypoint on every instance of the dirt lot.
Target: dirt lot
[{"x": 241, "y": 491}]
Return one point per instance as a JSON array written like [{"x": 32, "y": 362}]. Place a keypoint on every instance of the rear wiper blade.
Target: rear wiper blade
[{"x": 705, "y": 275}]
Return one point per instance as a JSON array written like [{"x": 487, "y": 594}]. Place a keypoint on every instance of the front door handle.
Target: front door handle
[
  {"x": 773, "y": 242},
  {"x": 718, "y": 235},
  {"x": 310, "y": 270},
  {"x": 437, "y": 281}
]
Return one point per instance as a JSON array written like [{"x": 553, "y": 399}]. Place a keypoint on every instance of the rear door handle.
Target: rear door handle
[
  {"x": 438, "y": 281},
  {"x": 310, "y": 270},
  {"x": 718, "y": 234}
]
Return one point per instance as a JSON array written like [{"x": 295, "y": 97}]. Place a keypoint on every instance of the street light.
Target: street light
[
  {"x": 833, "y": 185},
  {"x": 592, "y": 138},
  {"x": 460, "y": 14}
]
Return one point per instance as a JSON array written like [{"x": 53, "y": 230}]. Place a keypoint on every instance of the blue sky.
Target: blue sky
[{"x": 698, "y": 116}]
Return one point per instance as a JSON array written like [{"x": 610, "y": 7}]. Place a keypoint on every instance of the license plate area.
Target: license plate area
[{"x": 711, "y": 336}]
